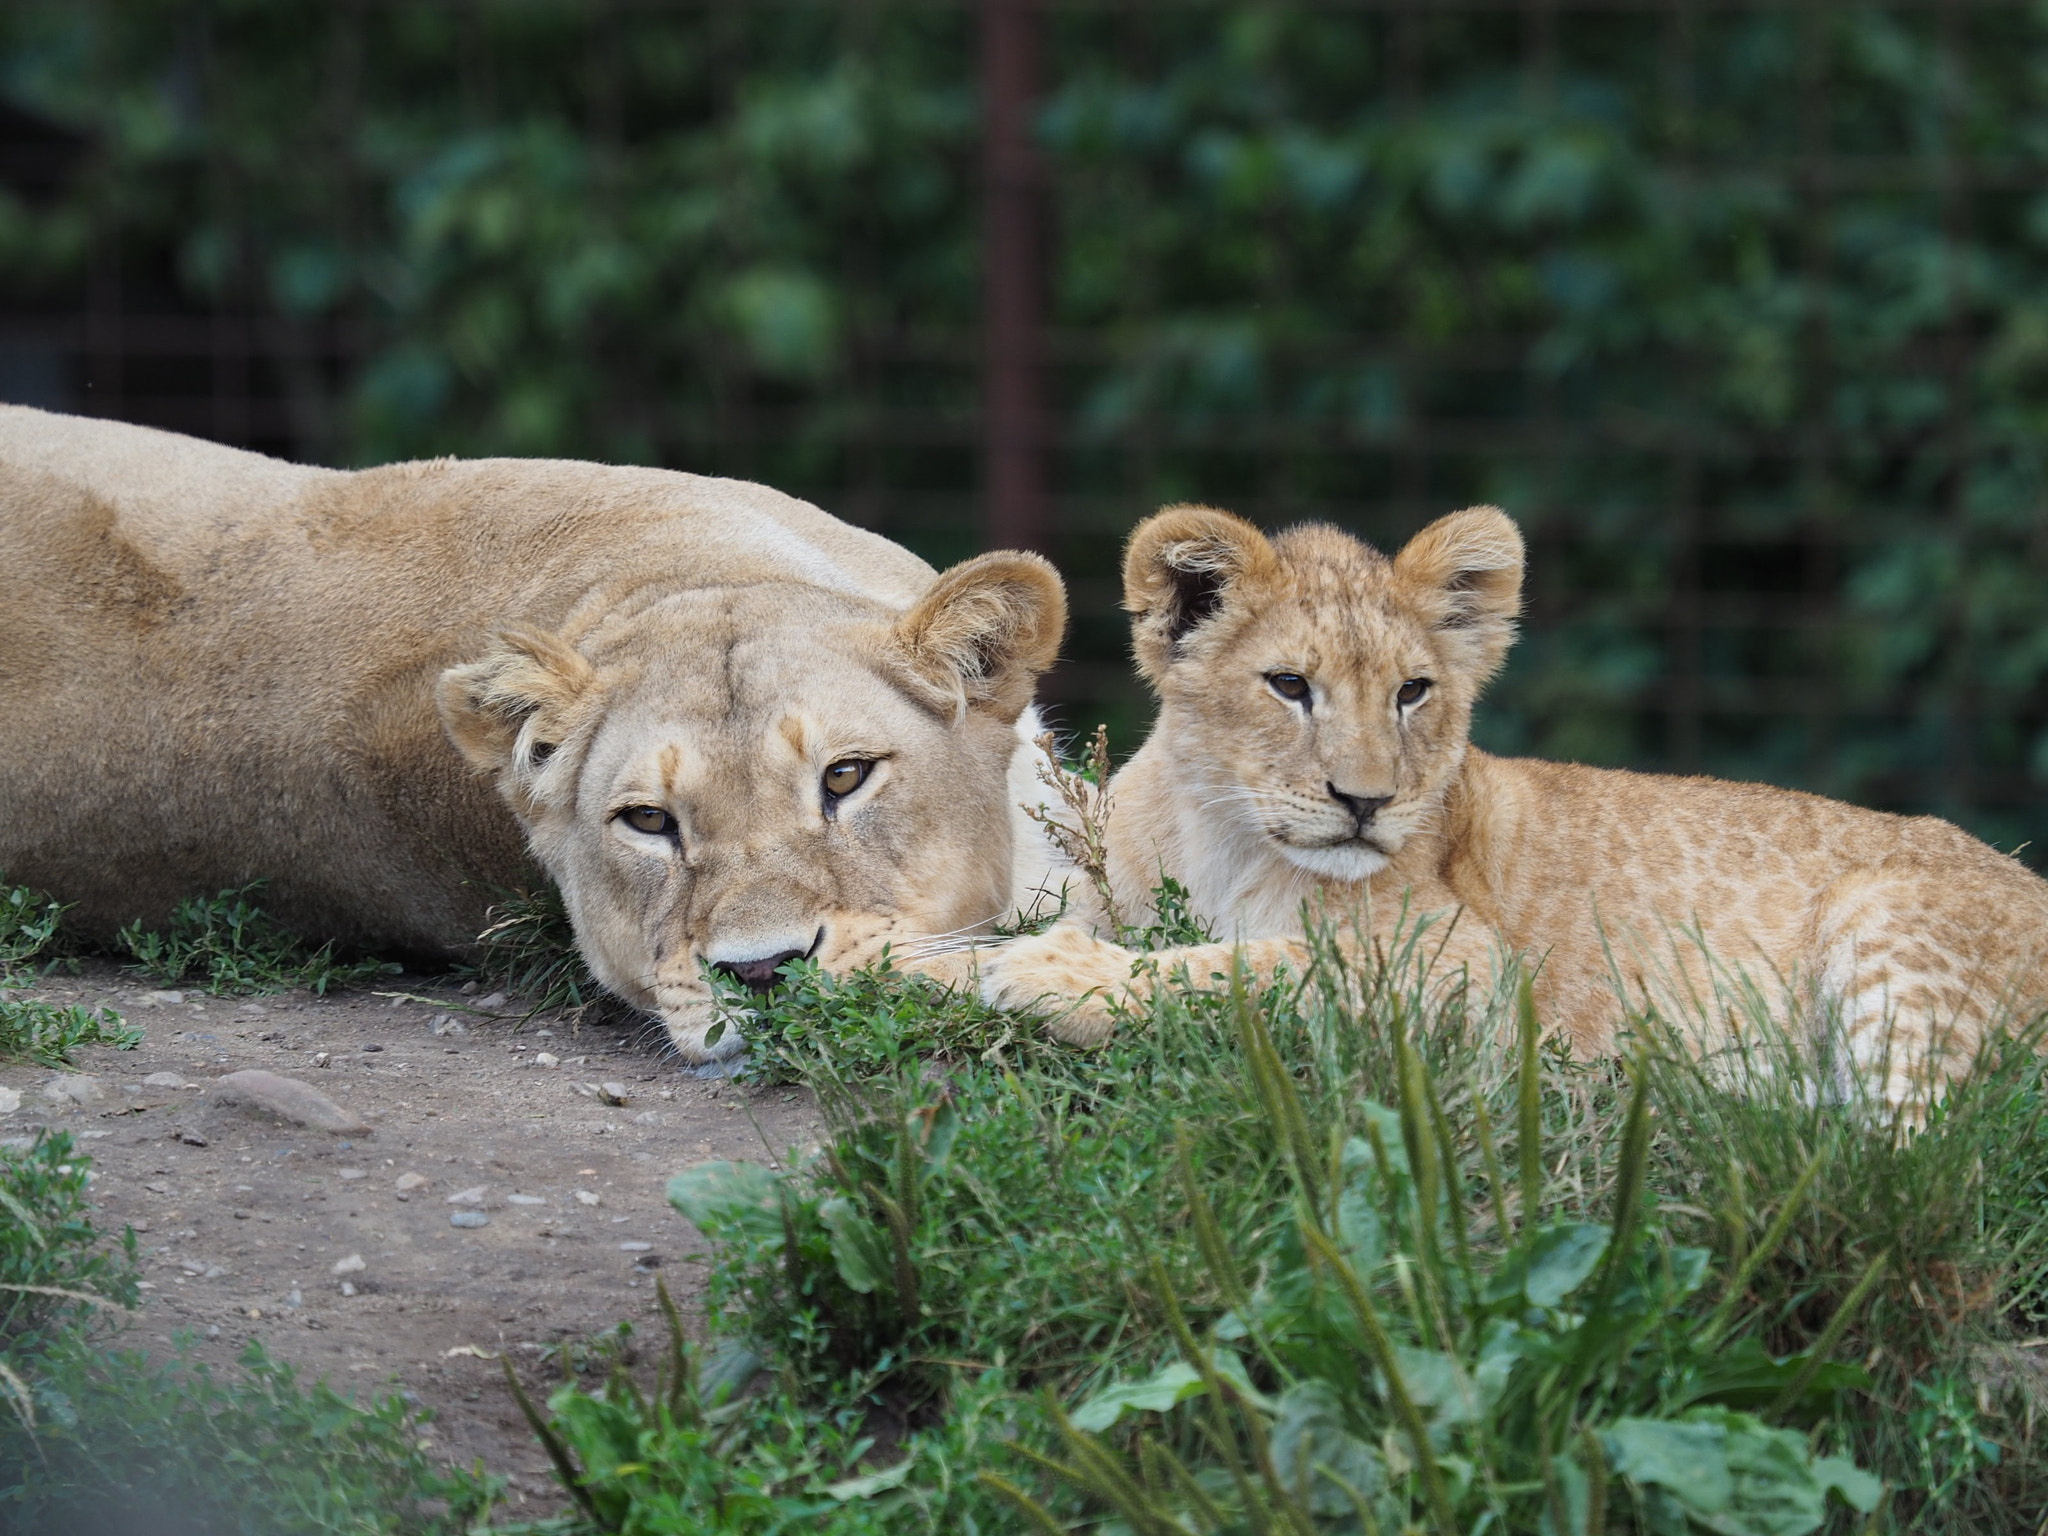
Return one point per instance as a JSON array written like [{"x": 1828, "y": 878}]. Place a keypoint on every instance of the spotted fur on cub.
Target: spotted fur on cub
[{"x": 1315, "y": 700}]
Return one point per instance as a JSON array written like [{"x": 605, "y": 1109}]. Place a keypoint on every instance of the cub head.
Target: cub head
[
  {"x": 1316, "y": 694},
  {"x": 736, "y": 778}
]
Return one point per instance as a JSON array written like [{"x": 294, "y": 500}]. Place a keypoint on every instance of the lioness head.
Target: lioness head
[
  {"x": 1317, "y": 693},
  {"x": 739, "y": 777}
]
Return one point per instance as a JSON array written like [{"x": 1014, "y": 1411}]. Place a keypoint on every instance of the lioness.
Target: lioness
[
  {"x": 1314, "y": 704},
  {"x": 733, "y": 729}
]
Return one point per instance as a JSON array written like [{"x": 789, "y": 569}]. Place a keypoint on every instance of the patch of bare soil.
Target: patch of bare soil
[{"x": 343, "y": 1254}]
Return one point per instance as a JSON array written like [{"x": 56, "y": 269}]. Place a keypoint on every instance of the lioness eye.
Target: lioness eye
[
  {"x": 1411, "y": 692},
  {"x": 651, "y": 818},
  {"x": 1291, "y": 686},
  {"x": 847, "y": 775}
]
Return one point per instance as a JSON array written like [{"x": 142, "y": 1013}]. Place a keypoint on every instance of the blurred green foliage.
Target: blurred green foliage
[{"x": 1739, "y": 309}]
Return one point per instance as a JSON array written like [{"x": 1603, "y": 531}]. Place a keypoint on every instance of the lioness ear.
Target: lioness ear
[
  {"x": 983, "y": 631},
  {"x": 1179, "y": 567},
  {"x": 509, "y": 709},
  {"x": 1464, "y": 572}
]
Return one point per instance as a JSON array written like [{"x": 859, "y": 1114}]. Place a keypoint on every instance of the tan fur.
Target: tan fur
[
  {"x": 217, "y": 667},
  {"x": 1918, "y": 933}
]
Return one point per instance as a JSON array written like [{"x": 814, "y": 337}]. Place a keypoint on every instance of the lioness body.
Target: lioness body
[
  {"x": 1348, "y": 799},
  {"x": 218, "y": 667}
]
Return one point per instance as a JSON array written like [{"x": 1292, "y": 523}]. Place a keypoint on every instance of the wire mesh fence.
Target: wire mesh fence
[{"x": 1740, "y": 309}]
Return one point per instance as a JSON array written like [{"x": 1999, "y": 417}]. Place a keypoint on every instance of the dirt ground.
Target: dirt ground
[{"x": 339, "y": 1251}]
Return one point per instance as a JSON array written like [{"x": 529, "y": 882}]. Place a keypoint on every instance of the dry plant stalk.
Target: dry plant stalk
[{"x": 1080, "y": 829}]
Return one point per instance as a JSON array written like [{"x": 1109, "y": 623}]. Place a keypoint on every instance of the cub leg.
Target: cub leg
[{"x": 1082, "y": 977}]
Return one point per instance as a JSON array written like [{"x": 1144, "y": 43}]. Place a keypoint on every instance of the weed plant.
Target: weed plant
[
  {"x": 697, "y": 1454},
  {"x": 529, "y": 948},
  {"x": 987, "y": 1202},
  {"x": 1388, "y": 1373},
  {"x": 48, "y": 1034},
  {"x": 29, "y": 922},
  {"x": 227, "y": 944}
]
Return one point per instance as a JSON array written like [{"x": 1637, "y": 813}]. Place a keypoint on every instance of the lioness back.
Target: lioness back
[
  {"x": 391, "y": 691},
  {"x": 1312, "y": 745}
]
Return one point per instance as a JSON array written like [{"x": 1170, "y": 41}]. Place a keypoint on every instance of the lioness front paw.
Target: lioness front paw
[{"x": 1066, "y": 969}]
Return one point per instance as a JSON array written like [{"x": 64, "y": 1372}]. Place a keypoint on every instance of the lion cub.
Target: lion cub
[{"x": 1315, "y": 699}]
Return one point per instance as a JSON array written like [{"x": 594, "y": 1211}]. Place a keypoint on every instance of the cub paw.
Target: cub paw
[{"x": 1065, "y": 969}]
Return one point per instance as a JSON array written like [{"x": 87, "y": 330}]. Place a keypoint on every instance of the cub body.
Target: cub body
[
  {"x": 1312, "y": 747},
  {"x": 388, "y": 691}
]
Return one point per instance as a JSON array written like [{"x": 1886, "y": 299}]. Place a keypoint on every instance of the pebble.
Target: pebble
[
  {"x": 612, "y": 1093},
  {"x": 293, "y": 1100},
  {"x": 322, "y": 1058},
  {"x": 371, "y": 1045},
  {"x": 474, "y": 1195},
  {"x": 352, "y": 1265},
  {"x": 547, "y": 1059},
  {"x": 585, "y": 1197},
  {"x": 495, "y": 1000},
  {"x": 192, "y": 1138},
  {"x": 635, "y": 1247},
  {"x": 448, "y": 1025},
  {"x": 163, "y": 1080},
  {"x": 151, "y": 999},
  {"x": 468, "y": 989},
  {"x": 73, "y": 1090},
  {"x": 526, "y": 1200},
  {"x": 469, "y": 1219},
  {"x": 348, "y": 1288},
  {"x": 408, "y": 1182},
  {"x": 351, "y": 1173},
  {"x": 10, "y": 1100}
]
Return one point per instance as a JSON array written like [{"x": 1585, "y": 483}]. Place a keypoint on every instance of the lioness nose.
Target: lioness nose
[
  {"x": 1362, "y": 807},
  {"x": 758, "y": 975}
]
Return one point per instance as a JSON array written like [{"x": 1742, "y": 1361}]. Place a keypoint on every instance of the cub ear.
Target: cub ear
[
  {"x": 983, "y": 631},
  {"x": 1179, "y": 567},
  {"x": 508, "y": 710},
  {"x": 1464, "y": 572}
]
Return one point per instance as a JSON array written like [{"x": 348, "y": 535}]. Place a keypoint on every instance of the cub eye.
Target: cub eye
[
  {"x": 847, "y": 775},
  {"x": 1411, "y": 692},
  {"x": 1291, "y": 686},
  {"x": 651, "y": 818}
]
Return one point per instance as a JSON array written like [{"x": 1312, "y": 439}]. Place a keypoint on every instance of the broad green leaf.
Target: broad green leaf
[
  {"x": 1857, "y": 1488},
  {"x": 726, "y": 1372},
  {"x": 741, "y": 1196},
  {"x": 1687, "y": 1460},
  {"x": 868, "y": 1486},
  {"x": 1561, "y": 1260},
  {"x": 1172, "y": 1383},
  {"x": 861, "y": 1249},
  {"x": 1734, "y": 1475},
  {"x": 1313, "y": 1449}
]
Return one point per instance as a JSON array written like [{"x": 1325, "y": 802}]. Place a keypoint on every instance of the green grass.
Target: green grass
[
  {"x": 1739, "y": 1312},
  {"x": 528, "y": 948},
  {"x": 1332, "y": 1257},
  {"x": 227, "y": 944}
]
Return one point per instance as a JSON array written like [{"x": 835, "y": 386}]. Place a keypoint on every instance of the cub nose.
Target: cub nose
[
  {"x": 1362, "y": 807},
  {"x": 758, "y": 975}
]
